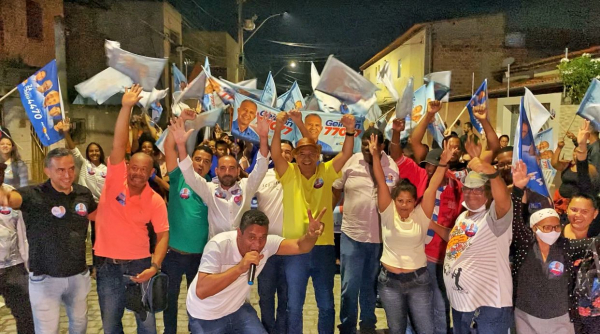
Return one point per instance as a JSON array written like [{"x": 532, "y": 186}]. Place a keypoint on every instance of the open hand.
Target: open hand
[
  {"x": 295, "y": 115},
  {"x": 448, "y": 153},
  {"x": 131, "y": 96},
  {"x": 262, "y": 126},
  {"x": 584, "y": 134},
  {"x": 474, "y": 150},
  {"x": 177, "y": 130},
  {"x": 520, "y": 176},
  {"x": 373, "y": 145}
]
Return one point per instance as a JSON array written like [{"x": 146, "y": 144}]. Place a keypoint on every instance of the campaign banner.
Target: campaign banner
[
  {"x": 544, "y": 142},
  {"x": 41, "y": 98},
  {"x": 537, "y": 114},
  {"x": 327, "y": 130},
  {"x": 143, "y": 70},
  {"x": 269, "y": 95},
  {"x": 436, "y": 127},
  {"x": 245, "y": 111},
  {"x": 479, "y": 98},
  {"x": 292, "y": 99}
]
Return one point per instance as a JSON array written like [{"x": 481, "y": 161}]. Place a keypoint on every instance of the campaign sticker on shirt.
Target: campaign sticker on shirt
[
  {"x": 184, "y": 193},
  {"x": 220, "y": 193},
  {"x": 81, "y": 209},
  {"x": 389, "y": 179},
  {"x": 91, "y": 171},
  {"x": 556, "y": 268},
  {"x": 471, "y": 230},
  {"x": 103, "y": 174},
  {"x": 121, "y": 199},
  {"x": 58, "y": 211},
  {"x": 318, "y": 183},
  {"x": 238, "y": 199},
  {"x": 5, "y": 210},
  {"x": 236, "y": 192}
]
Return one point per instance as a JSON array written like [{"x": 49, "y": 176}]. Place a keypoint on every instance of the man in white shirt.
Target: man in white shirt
[
  {"x": 216, "y": 300},
  {"x": 360, "y": 242},
  {"x": 228, "y": 198},
  {"x": 476, "y": 267},
  {"x": 272, "y": 279}
]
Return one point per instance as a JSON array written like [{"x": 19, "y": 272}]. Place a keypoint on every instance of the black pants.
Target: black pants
[{"x": 14, "y": 287}]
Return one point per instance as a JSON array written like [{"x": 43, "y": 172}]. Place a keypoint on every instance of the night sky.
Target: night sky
[{"x": 355, "y": 30}]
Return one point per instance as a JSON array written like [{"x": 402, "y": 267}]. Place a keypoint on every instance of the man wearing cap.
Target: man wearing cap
[
  {"x": 360, "y": 242},
  {"x": 446, "y": 210},
  {"x": 307, "y": 184},
  {"x": 543, "y": 270},
  {"x": 476, "y": 267}
]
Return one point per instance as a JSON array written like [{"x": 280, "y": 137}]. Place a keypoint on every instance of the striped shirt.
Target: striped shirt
[{"x": 90, "y": 175}]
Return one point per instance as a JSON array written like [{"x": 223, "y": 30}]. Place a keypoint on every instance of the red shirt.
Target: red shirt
[{"x": 450, "y": 203}]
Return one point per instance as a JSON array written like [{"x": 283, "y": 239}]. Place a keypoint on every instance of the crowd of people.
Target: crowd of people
[{"x": 444, "y": 238}]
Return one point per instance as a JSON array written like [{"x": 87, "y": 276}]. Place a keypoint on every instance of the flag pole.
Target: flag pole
[
  {"x": 384, "y": 115},
  {"x": 7, "y": 94},
  {"x": 569, "y": 127},
  {"x": 457, "y": 117}
]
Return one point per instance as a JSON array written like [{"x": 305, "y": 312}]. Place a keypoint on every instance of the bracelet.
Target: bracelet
[
  {"x": 493, "y": 175},
  {"x": 155, "y": 266},
  {"x": 350, "y": 134}
]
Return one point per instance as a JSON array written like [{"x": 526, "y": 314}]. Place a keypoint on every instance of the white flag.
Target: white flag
[
  {"x": 143, "y": 70},
  {"x": 536, "y": 112},
  {"x": 385, "y": 76}
]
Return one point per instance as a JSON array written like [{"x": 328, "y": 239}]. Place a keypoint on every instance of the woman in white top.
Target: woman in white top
[
  {"x": 16, "y": 174},
  {"x": 404, "y": 283}
]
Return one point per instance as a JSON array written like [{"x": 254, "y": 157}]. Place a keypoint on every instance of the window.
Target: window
[
  {"x": 34, "y": 20},
  {"x": 399, "y": 68}
]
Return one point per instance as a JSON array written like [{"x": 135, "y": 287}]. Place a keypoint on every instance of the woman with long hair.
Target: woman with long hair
[{"x": 16, "y": 173}]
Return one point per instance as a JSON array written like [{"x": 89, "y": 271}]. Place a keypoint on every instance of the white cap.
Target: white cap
[{"x": 542, "y": 214}]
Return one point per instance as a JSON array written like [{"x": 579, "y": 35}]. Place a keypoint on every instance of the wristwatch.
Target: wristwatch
[{"x": 155, "y": 266}]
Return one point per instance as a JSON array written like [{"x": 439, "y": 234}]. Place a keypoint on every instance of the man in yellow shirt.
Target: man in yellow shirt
[{"x": 307, "y": 184}]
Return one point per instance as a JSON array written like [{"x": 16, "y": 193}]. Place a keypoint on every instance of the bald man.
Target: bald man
[
  {"x": 122, "y": 245},
  {"x": 246, "y": 113}
]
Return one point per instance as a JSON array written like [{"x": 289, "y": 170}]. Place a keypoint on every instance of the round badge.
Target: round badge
[
  {"x": 103, "y": 174},
  {"x": 389, "y": 179},
  {"x": 184, "y": 193},
  {"x": 5, "y": 210},
  {"x": 219, "y": 193},
  {"x": 58, "y": 211},
  {"x": 318, "y": 183},
  {"x": 471, "y": 230},
  {"x": 236, "y": 192},
  {"x": 81, "y": 209},
  {"x": 91, "y": 171},
  {"x": 556, "y": 268},
  {"x": 238, "y": 199}
]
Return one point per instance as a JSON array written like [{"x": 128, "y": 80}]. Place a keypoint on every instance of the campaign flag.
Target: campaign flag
[
  {"x": 326, "y": 103},
  {"x": 544, "y": 142},
  {"x": 405, "y": 104},
  {"x": 419, "y": 105},
  {"x": 207, "y": 66},
  {"x": 441, "y": 82},
  {"x": 292, "y": 99},
  {"x": 436, "y": 127},
  {"x": 179, "y": 80},
  {"x": 245, "y": 111},
  {"x": 250, "y": 83},
  {"x": 269, "y": 95},
  {"x": 246, "y": 87},
  {"x": 148, "y": 98},
  {"x": 195, "y": 90},
  {"x": 526, "y": 150},
  {"x": 360, "y": 108},
  {"x": 42, "y": 100},
  {"x": 479, "y": 98},
  {"x": 156, "y": 109},
  {"x": 104, "y": 85},
  {"x": 590, "y": 105},
  {"x": 536, "y": 112},
  {"x": 143, "y": 70},
  {"x": 342, "y": 82},
  {"x": 327, "y": 130},
  {"x": 408, "y": 128},
  {"x": 374, "y": 113},
  {"x": 385, "y": 77}
]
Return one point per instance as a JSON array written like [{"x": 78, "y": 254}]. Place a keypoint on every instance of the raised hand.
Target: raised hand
[
  {"x": 480, "y": 112},
  {"x": 570, "y": 135},
  {"x": 188, "y": 114},
  {"x": 348, "y": 122},
  {"x": 373, "y": 145},
  {"x": 561, "y": 144},
  {"x": 66, "y": 125},
  {"x": 398, "y": 125},
  {"x": 315, "y": 227},
  {"x": 448, "y": 153},
  {"x": 262, "y": 125},
  {"x": 131, "y": 96},
  {"x": 474, "y": 150},
  {"x": 480, "y": 166},
  {"x": 282, "y": 118},
  {"x": 434, "y": 106},
  {"x": 584, "y": 134},
  {"x": 177, "y": 130},
  {"x": 295, "y": 115},
  {"x": 520, "y": 176}
]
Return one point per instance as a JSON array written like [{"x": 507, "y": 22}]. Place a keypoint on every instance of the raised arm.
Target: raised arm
[
  {"x": 499, "y": 190},
  {"x": 305, "y": 243},
  {"x": 416, "y": 138},
  {"x": 121, "y": 136},
  {"x": 523, "y": 235},
  {"x": 66, "y": 127},
  {"x": 170, "y": 152},
  {"x": 348, "y": 148},
  {"x": 398, "y": 126},
  {"x": 296, "y": 117},
  {"x": 281, "y": 165},
  {"x": 384, "y": 198},
  {"x": 493, "y": 143},
  {"x": 428, "y": 202},
  {"x": 584, "y": 180},
  {"x": 559, "y": 165},
  {"x": 261, "y": 166}
]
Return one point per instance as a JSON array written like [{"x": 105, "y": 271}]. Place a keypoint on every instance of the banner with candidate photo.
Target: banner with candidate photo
[
  {"x": 479, "y": 98},
  {"x": 327, "y": 130},
  {"x": 41, "y": 98},
  {"x": 544, "y": 142},
  {"x": 436, "y": 127},
  {"x": 245, "y": 111}
]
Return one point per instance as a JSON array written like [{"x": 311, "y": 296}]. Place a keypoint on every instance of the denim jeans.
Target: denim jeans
[
  {"x": 441, "y": 304},
  {"x": 14, "y": 287},
  {"x": 46, "y": 294},
  {"x": 271, "y": 281},
  {"x": 359, "y": 268},
  {"x": 243, "y": 321},
  {"x": 111, "y": 286},
  {"x": 320, "y": 265},
  {"x": 487, "y": 320},
  {"x": 402, "y": 294},
  {"x": 175, "y": 265}
]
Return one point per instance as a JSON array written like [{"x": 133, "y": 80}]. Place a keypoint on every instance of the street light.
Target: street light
[{"x": 292, "y": 64}]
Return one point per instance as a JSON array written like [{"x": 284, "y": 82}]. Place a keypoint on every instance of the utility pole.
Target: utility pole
[{"x": 241, "y": 69}]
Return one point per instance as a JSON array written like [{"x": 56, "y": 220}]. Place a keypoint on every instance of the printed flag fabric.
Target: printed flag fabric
[
  {"x": 544, "y": 142},
  {"x": 404, "y": 105},
  {"x": 590, "y": 105},
  {"x": 143, "y": 70},
  {"x": 479, "y": 98},
  {"x": 41, "y": 98},
  {"x": 327, "y": 130},
  {"x": 441, "y": 84},
  {"x": 292, "y": 99},
  {"x": 104, "y": 85},
  {"x": 385, "y": 76},
  {"x": 246, "y": 110},
  {"x": 326, "y": 103},
  {"x": 436, "y": 127},
  {"x": 419, "y": 106},
  {"x": 536, "y": 112},
  {"x": 269, "y": 95},
  {"x": 342, "y": 82},
  {"x": 207, "y": 66},
  {"x": 195, "y": 90},
  {"x": 179, "y": 80}
]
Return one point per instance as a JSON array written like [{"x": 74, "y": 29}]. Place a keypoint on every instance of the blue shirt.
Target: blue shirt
[
  {"x": 325, "y": 148},
  {"x": 248, "y": 134}
]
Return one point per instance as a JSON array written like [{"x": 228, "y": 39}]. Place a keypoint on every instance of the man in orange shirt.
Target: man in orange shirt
[{"x": 122, "y": 245}]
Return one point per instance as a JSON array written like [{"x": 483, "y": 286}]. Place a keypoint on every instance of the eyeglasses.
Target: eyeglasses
[
  {"x": 550, "y": 228},
  {"x": 474, "y": 191}
]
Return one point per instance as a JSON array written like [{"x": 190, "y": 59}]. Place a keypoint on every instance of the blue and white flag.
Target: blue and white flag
[
  {"x": 479, "y": 98},
  {"x": 249, "y": 84},
  {"x": 207, "y": 66},
  {"x": 526, "y": 150},
  {"x": 156, "y": 110},
  {"x": 148, "y": 98},
  {"x": 246, "y": 87},
  {"x": 143, "y": 70},
  {"x": 404, "y": 105},
  {"x": 419, "y": 106},
  {"x": 292, "y": 99},
  {"x": 360, "y": 108},
  {"x": 104, "y": 85},
  {"x": 385, "y": 77},
  {"x": 245, "y": 111},
  {"x": 342, "y": 82},
  {"x": 195, "y": 90},
  {"x": 590, "y": 105},
  {"x": 327, "y": 130},
  {"x": 436, "y": 127},
  {"x": 42, "y": 100},
  {"x": 269, "y": 95},
  {"x": 544, "y": 141},
  {"x": 326, "y": 103},
  {"x": 537, "y": 114},
  {"x": 179, "y": 80},
  {"x": 441, "y": 86}
]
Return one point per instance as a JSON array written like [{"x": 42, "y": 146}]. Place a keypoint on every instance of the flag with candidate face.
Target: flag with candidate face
[
  {"x": 292, "y": 99},
  {"x": 146, "y": 71},
  {"x": 436, "y": 127},
  {"x": 42, "y": 100},
  {"x": 245, "y": 112},
  {"x": 479, "y": 98},
  {"x": 342, "y": 82},
  {"x": 326, "y": 129}
]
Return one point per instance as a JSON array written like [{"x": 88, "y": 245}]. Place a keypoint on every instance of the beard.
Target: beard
[{"x": 227, "y": 181}]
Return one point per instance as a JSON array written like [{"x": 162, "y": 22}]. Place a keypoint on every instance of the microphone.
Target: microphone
[{"x": 251, "y": 274}]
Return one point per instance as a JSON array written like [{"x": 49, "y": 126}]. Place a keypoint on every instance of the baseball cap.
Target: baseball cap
[
  {"x": 475, "y": 180},
  {"x": 433, "y": 157}
]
